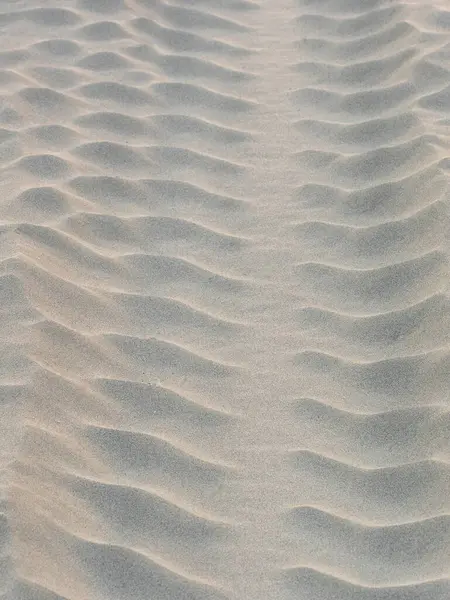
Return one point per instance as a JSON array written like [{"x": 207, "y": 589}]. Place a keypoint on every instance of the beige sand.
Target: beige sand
[{"x": 224, "y": 300}]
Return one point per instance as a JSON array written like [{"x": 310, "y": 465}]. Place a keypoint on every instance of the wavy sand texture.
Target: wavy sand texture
[{"x": 224, "y": 300}]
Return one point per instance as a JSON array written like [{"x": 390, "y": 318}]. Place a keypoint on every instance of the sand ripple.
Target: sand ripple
[{"x": 224, "y": 300}]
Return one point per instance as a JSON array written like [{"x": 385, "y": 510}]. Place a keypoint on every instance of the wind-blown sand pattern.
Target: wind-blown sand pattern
[{"x": 224, "y": 308}]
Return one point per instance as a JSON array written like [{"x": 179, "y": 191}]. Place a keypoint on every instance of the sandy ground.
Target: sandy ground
[{"x": 225, "y": 321}]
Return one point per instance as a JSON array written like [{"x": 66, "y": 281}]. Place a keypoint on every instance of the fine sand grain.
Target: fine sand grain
[{"x": 224, "y": 296}]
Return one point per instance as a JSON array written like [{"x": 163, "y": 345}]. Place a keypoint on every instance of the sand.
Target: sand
[{"x": 225, "y": 315}]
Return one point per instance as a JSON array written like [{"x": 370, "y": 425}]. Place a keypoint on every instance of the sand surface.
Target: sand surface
[{"x": 225, "y": 320}]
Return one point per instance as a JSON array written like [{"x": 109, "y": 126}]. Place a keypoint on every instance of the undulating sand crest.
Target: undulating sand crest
[{"x": 224, "y": 298}]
